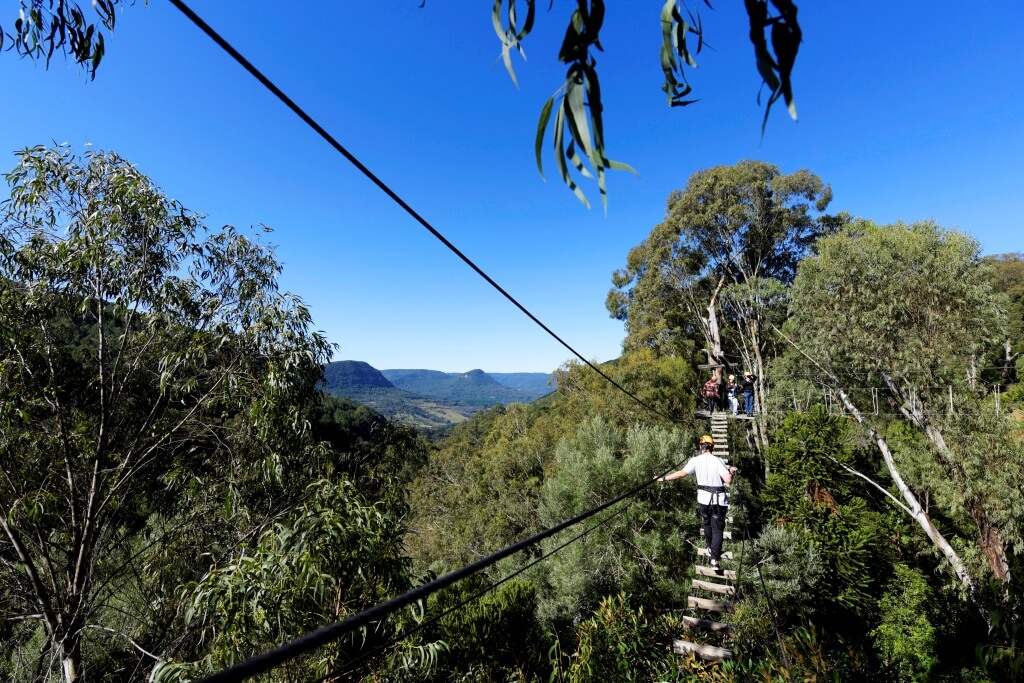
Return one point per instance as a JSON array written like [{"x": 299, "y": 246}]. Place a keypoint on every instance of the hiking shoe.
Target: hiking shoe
[{"x": 714, "y": 564}]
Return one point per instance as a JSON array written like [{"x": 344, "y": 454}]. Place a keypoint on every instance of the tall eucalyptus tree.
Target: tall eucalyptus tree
[
  {"x": 721, "y": 262},
  {"x": 142, "y": 357},
  {"x": 902, "y": 310}
]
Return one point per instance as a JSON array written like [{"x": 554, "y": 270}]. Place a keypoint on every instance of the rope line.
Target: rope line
[
  {"x": 311, "y": 122},
  {"x": 352, "y": 666},
  {"x": 273, "y": 658}
]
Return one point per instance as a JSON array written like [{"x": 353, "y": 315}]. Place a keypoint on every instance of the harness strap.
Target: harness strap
[{"x": 715, "y": 491}]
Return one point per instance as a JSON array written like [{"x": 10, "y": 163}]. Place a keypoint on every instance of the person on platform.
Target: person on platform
[
  {"x": 710, "y": 392},
  {"x": 732, "y": 391},
  {"x": 748, "y": 393}
]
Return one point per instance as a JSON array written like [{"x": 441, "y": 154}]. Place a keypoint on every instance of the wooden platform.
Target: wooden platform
[
  {"x": 713, "y": 587},
  {"x": 709, "y": 605},
  {"x": 704, "y": 552},
  {"x": 706, "y": 652},
  {"x": 708, "y": 625},
  {"x": 703, "y": 570}
]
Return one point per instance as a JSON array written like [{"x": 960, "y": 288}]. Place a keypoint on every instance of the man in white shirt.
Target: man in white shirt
[{"x": 712, "y": 499}]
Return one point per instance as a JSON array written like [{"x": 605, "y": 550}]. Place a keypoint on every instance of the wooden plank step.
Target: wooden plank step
[
  {"x": 714, "y": 587},
  {"x": 710, "y": 605},
  {"x": 706, "y": 652},
  {"x": 725, "y": 534},
  {"x": 708, "y": 625},
  {"x": 704, "y": 570},
  {"x": 704, "y": 552}
]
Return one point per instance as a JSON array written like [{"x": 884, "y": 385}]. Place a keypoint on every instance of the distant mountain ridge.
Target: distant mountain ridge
[
  {"x": 474, "y": 387},
  {"x": 354, "y": 373},
  {"x": 430, "y": 398},
  {"x": 540, "y": 383}
]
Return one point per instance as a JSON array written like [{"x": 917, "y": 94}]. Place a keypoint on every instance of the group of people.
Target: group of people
[{"x": 717, "y": 396}]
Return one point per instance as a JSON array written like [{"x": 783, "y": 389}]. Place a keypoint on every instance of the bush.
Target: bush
[{"x": 905, "y": 638}]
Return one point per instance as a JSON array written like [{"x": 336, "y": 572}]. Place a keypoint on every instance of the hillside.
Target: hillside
[
  {"x": 530, "y": 382},
  {"x": 354, "y": 374},
  {"x": 475, "y": 387},
  {"x": 428, "y": 399}
]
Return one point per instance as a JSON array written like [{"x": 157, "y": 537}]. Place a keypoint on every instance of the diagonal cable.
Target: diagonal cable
[
  {"x": 273, "y": 658},
  {"x": 355, "y": 664},
  {"x": 311, "y": 122}
]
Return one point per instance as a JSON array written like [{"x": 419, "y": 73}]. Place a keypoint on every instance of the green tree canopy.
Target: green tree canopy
[
  {"x": 143, "y": 358},
  {"x": 731, "y": 225},
  {"x": 904, "y": 310}
]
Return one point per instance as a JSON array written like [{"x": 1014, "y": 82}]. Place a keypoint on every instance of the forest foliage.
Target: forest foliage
[{"x": 178, "y": 495}]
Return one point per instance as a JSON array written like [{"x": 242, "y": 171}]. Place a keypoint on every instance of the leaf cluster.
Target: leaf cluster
[{"x": 47, "y": 26}]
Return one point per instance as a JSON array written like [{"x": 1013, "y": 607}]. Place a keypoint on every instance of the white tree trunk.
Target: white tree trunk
[
  {"x": 714, "y": 332},
  {"x": 916, "y": 511},
  {"x": 914, "y": 508},
  {"x": 989, "y": 537}
]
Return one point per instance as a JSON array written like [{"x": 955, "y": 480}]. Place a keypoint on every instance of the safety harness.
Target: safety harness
[{"x": 715, "y": 492}]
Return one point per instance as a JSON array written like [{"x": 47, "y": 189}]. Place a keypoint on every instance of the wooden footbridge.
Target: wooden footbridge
[{"x": 713, "y": 590}]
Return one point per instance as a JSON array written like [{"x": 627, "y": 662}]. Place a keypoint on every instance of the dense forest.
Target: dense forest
[{"x": 178, "y": 495}]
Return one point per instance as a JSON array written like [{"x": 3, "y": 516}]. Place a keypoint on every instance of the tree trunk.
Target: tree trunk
[
  {"x": 1008, "y": 359},
  {"x": 989, "y": 538},
  {"x": 714, "y": 333},
  {"x": 69, "y": 650},
  {"x": 760, "y": 391},
  {"x": 916, "y": 511},
  {"x": 914, "y": 508}
]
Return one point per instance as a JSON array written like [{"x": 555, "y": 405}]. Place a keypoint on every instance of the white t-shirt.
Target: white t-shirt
[{"x": 708, "y": 470}]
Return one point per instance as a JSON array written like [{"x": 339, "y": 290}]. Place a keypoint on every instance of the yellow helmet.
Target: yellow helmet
[{"x": 707, "y": 439}]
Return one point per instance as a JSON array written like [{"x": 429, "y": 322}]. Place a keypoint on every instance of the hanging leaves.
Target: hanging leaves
[
  {"x": 46, "y": 26},
  {"x": 511, "y": 33},
  {"x": 776, "y": 70},
  {"x": 577, "y": 107},
  {"x": 577, "y": 128},
  {"x": 675, "y": 52}
]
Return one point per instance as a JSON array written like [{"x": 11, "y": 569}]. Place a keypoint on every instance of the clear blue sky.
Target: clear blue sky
[{"x": 910, "y": 110}]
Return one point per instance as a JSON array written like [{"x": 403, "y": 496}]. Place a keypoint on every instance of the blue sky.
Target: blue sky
[{"x": 910, "y": 110}]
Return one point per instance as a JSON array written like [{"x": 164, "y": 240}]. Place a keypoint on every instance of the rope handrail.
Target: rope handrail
[
  {"x": 272, "y": 658},
  {"x": 354, "y": 665}
]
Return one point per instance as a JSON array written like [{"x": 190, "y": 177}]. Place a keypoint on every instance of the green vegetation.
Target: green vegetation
[{"x": 178, "y": 495}]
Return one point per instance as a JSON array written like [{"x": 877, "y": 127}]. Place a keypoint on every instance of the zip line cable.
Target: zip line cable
[
  {"x": 311, "y": 122},
  {"x": 279, "y": 655},
  {"x": 353, "y": 666}
]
